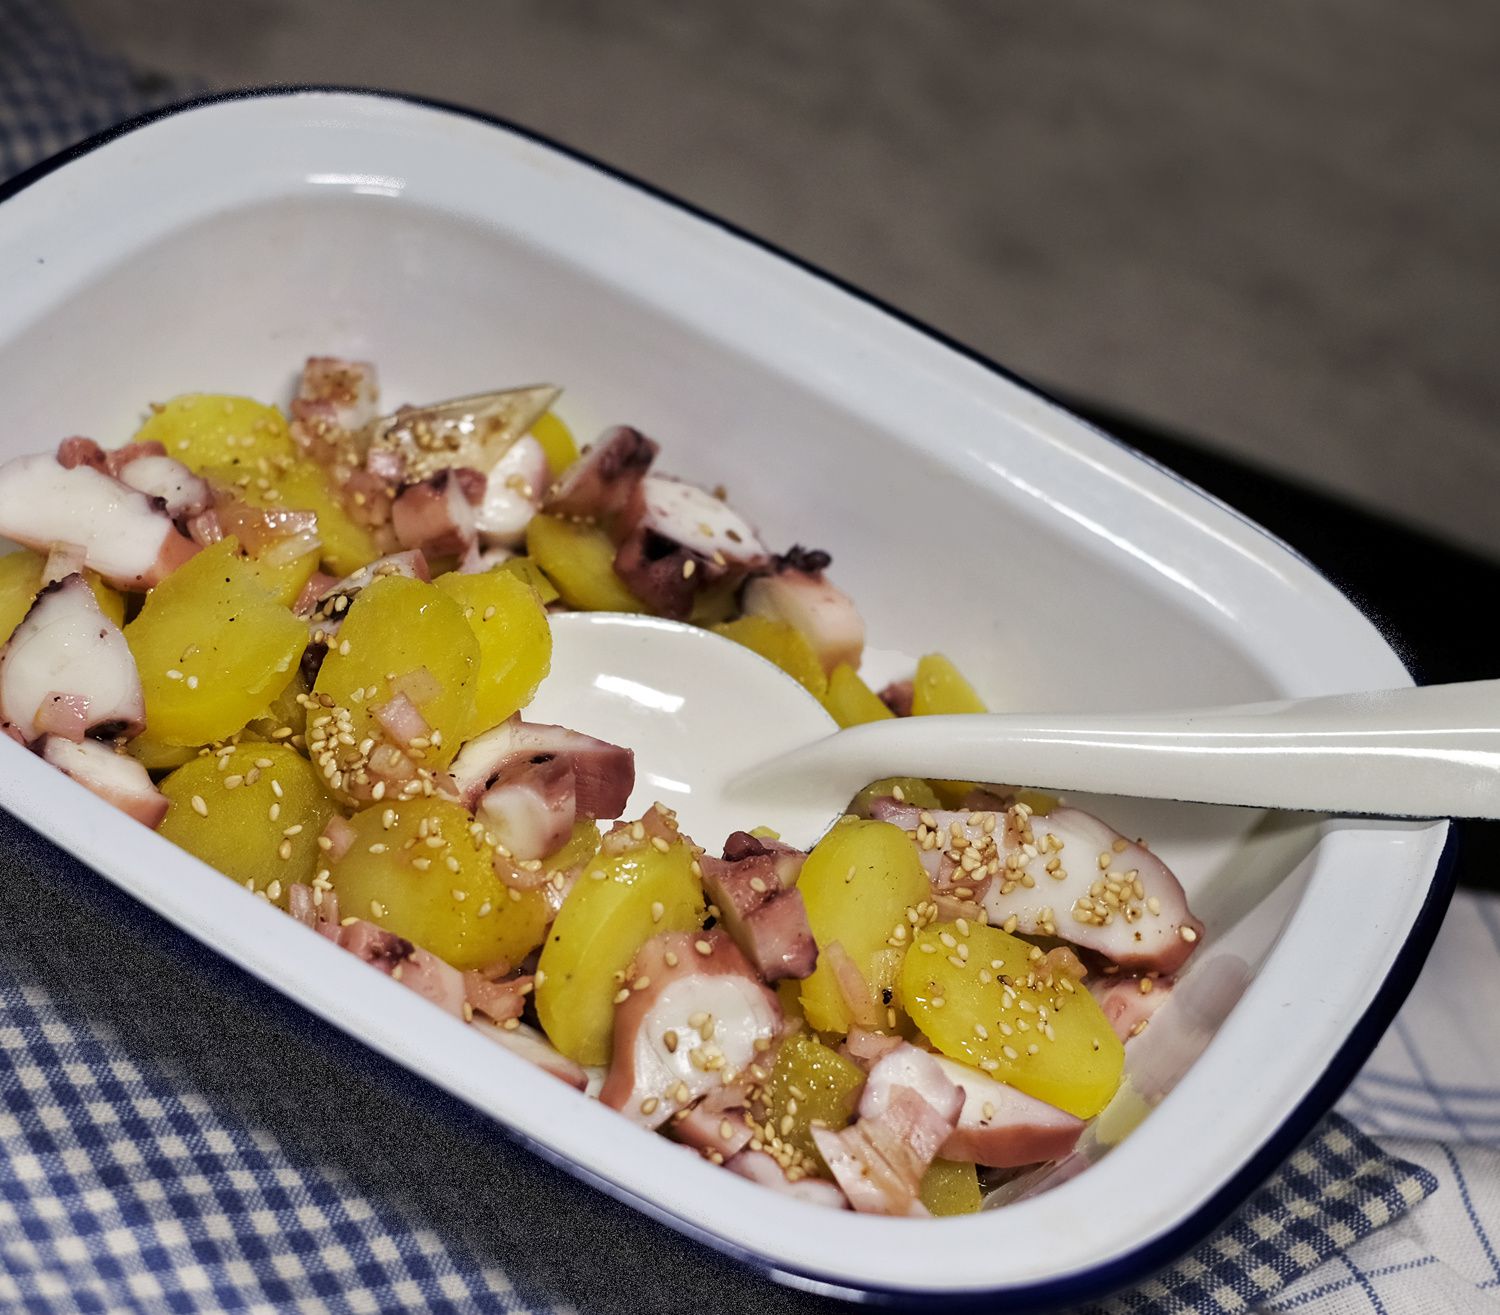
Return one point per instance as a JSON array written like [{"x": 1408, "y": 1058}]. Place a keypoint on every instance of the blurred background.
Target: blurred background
[{"x": 1269, "y": 227}]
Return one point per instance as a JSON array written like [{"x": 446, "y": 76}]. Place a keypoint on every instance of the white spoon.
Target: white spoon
[{"x": 731, "y": 742}]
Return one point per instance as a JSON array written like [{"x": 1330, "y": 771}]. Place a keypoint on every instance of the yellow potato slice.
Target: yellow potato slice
[
  {"x": 424, "y": 870},
  {"x": 580, "y": 561},
  {"x": 515, "y": 642},
  {"x": 985, "y": 998},
  {"x": 851, "y": 702},
  {"x": 253, "y": 811},
  {"x": 403, "y": 636},
  {"x": 213, "y": 648},
  {"x": 620, "y": 901},
  {"x": 779, "y": 643},
  {"x": 861, "y": 883}
]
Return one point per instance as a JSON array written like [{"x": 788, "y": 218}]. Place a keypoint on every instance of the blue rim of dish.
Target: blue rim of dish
[{"x": 1139, "y": 1264}]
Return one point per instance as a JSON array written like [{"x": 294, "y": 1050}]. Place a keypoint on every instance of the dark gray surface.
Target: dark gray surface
[
  {"x": 1271, "y": 224},
  {"x": 329, "y": 1102}
]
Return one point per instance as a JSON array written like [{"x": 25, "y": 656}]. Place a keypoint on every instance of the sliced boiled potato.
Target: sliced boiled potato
[
  {"x": 556, "y": 441},
  {"x": 985, "y": 998},
  {"x": 782, "y": 644},
  {"x": 950, "y": 1187},
  {"x": 254, "y": 811},
  {"x": 213, "y": 648},
  {"x": 404, "y": 636},
  {"x": 515, "y": 641},
  {"x": 215, "y": 434},
  {"x": 809, "y": 1083},
  {"x": 619, "y": 902},
  {"x": 580, "y": 560},
  {"x": 861, "y": 883},
  {"x": 422, "y": 869},
  {"x": 851, "y": 702}
]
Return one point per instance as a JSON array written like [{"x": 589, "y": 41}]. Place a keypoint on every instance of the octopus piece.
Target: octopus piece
[
  {"x": 534, "y": 1048},
  {"x": 1130, "y": 1002},
  {"x": 181, "y": 492},
  {"x": 1003, "y": 1128},
  {"x": 682, "y": 541},
  {"x": 907, "y": 1113},
  {"x": 718, "y": 1135},
  {"x": 898, "y": 696},
  {"x": 498, "y": 999},
  {"x": 604, "y": 485},
  {"x": 76, "y": 451},
  {"x": 513, "y": 494},
  {"x": 116, "y": 778},
  {"x": 529, "y": 783},
  {"x": 761, "y": 1168},
  {"x": 340, "y": 392},
  {"x": 438, "y": 515},
  {"x": 127, "y": 538},
  {"x": 797, "y": 592},
  {"x": 1066, "y": 874},
  {"x": 327, "y": 608},
  {"x": 416, "y": 969},
  {"x": 68, "y": 671},
  {"x": 764, "y": 918},
  {"x": 694, "y": 1022}
]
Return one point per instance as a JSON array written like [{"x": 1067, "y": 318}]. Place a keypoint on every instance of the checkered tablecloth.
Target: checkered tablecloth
[{"x": 174, "y": 1137}]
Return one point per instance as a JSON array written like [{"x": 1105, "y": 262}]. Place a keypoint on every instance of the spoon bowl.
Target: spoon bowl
[
  {"x": 730, "y": 741},
  {"x": 697, "y": 709}
]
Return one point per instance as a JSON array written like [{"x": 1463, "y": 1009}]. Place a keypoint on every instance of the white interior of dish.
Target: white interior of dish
[{"x": 213, "y": 250}]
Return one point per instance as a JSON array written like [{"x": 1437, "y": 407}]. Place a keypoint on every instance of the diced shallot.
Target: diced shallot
[{"x": 907, "y": 1112}]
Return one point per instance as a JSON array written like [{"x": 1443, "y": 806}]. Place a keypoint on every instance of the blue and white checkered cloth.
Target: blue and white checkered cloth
[{"x": 174, "y": 1138}]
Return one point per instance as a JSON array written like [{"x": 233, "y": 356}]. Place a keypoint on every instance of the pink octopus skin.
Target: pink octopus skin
[
  {"x": 1156, "y": 936},
  {"x": 649, "y": 1079}
]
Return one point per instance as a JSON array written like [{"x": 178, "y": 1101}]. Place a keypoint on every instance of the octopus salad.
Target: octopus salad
[{"x": 301, "y": 646}]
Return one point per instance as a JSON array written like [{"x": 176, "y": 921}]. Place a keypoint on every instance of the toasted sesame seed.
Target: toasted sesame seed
[
  {"x": 671, "y": 957},
  {"x": 1187, "y": 934},
  {"x": 704, "y": 948},
  {"x": 649, "y": 1105},
  {"x": 669, "y": 1039},
  {"x": 622, "y": 995},
  {"x": 199, "y": 806},
  {"x": 1010, "y": 1052},
  {"x": 377, "y": 908},
  {"x": 284, "y": 850},
  {"x": 173, "y": 674}
]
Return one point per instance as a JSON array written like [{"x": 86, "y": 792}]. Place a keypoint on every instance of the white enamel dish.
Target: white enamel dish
[{"x": 212, "y": 248}]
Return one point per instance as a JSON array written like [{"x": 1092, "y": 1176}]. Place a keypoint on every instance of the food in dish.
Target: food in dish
[{"x": 302, "y": 649}]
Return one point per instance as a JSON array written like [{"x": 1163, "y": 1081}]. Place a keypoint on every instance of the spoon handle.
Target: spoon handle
[{"x": 1428, "y": 751}]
